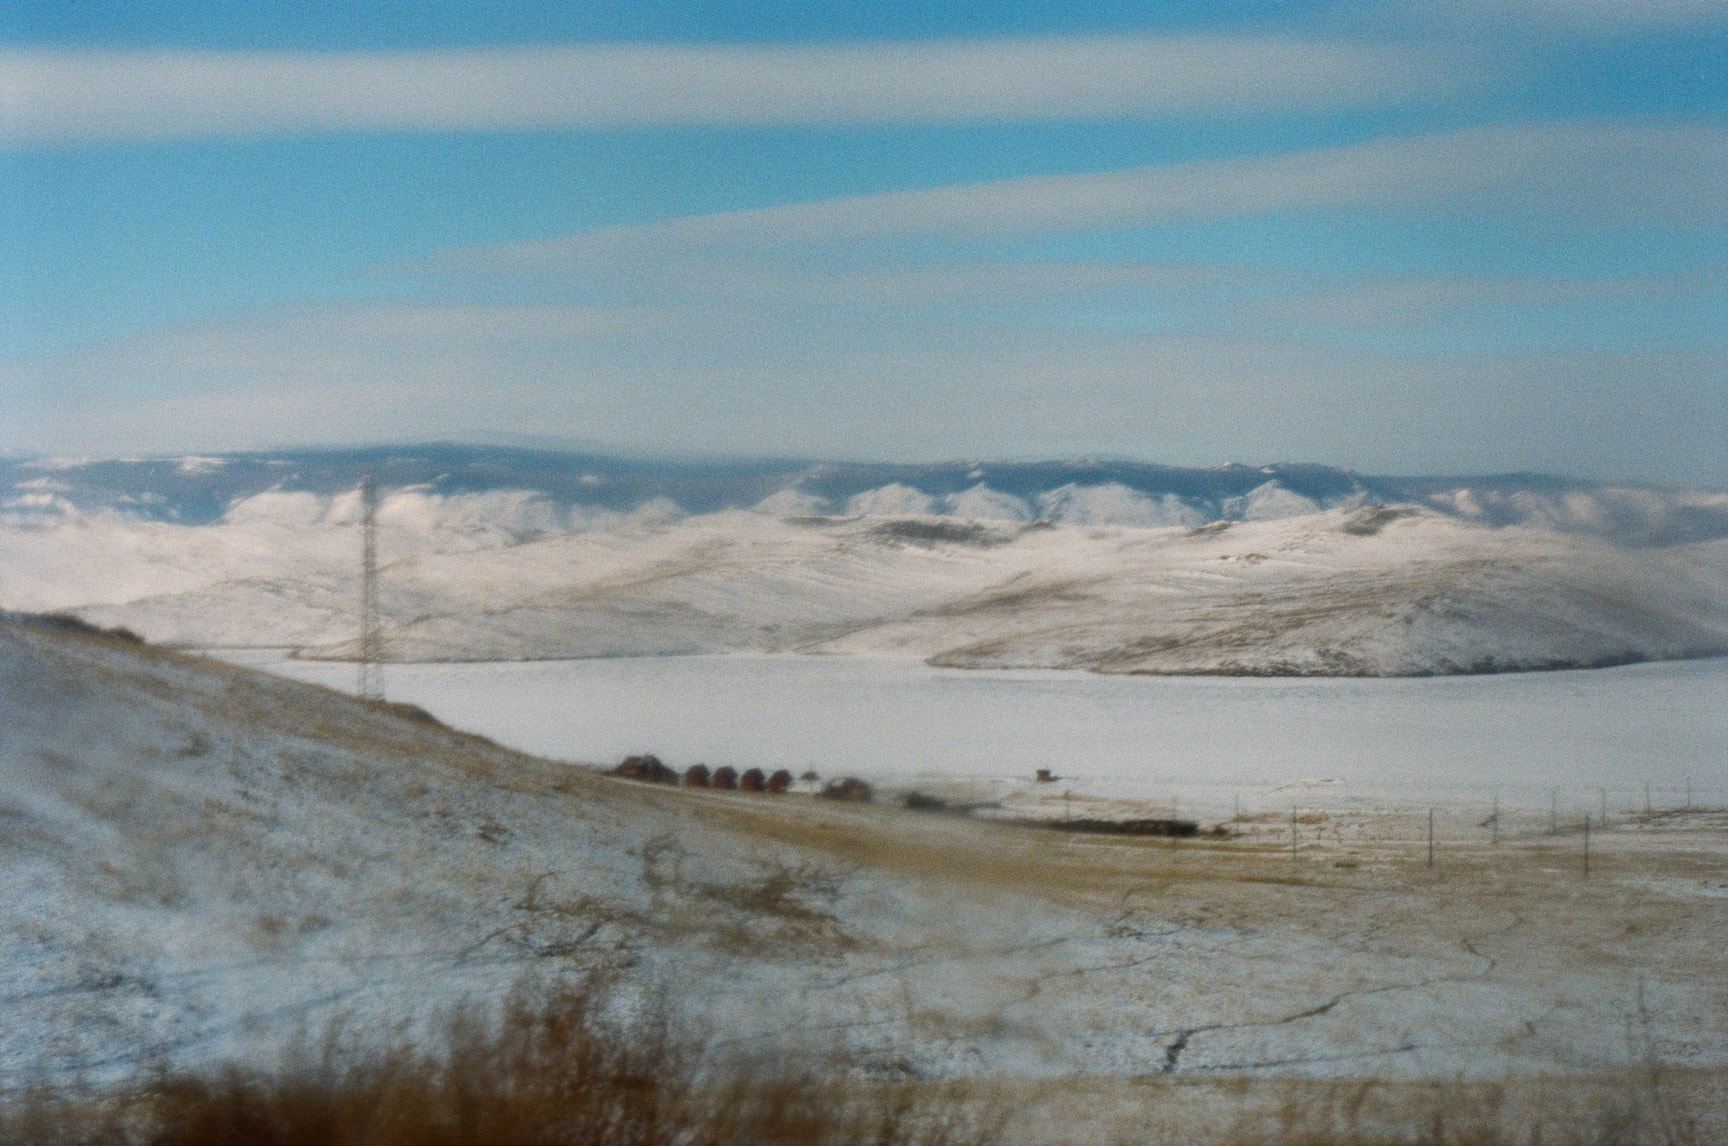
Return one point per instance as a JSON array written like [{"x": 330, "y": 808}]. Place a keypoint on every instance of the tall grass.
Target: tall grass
[
  {"x": 569, "y": 1064},
  {"x": 548, "y": 1068}
]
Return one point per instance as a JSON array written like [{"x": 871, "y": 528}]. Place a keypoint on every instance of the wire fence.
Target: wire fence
[{"x": 1384, "y": 815}]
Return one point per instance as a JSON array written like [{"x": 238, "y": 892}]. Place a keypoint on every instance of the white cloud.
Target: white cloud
[
  {"x": 1621, "y": 171},
  {"x": 57, "y": 95},
  {"x": 759, "y": 275}
]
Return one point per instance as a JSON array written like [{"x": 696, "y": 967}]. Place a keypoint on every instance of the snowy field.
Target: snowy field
[
  {"x": 201, "y": 863},
  {"x": 1203, "y": 743},
  {"x": 1375, "y": 590}
]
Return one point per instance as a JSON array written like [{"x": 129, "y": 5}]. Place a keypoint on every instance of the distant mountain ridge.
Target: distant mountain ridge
[
  {"x": 508, "y": 554},
  {"x": 204, "y": 489}
]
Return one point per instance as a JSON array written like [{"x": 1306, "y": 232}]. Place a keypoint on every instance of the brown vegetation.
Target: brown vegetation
[
  {"x": 68, "y": 622},
  {"x": 848, "y": 788},
  {"x": 646, "y": 768},
  {"x": 553, "y": 1068},
  {"x": 1149, "y": 826}
]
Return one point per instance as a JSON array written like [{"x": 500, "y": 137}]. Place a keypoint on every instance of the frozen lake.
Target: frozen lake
[{"x": 1203, "y": 741}]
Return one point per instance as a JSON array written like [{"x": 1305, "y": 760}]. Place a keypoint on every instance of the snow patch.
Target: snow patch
[
  {"x": 291, "y": 510},
  {"x": 892, "y": 500},
  {"x": 508, "y": 514},
  {"x": 1271, "y": 501},
  {"x": 981, "y": 503},
  {"x": 51, "y": 485},
  {"x": 1115, "y": 504},
  {"x": 1633, "y": 516},
  {"x": 792, "y": 503}
]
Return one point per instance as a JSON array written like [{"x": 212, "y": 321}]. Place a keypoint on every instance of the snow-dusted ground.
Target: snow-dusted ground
[
  {"x": 198, "y": 858},
  {"x": 1203, "y": 742},
  {"x": 1369, "y": 590}
]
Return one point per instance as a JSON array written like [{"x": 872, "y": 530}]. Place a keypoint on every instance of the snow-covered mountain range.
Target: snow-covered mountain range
[
  {"x": 535, "y": 491},
  {"x": 1112, "y": 566}
]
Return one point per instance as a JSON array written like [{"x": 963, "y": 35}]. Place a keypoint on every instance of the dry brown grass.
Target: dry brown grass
[
  {"x": 1621, "y": 1108},
  {"x": 573, "y": 1065},
  {"x": 553, "y": 1066},
  {"x": 1624, "y": 1111}
]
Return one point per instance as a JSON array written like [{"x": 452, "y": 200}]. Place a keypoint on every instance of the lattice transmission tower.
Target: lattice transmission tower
[{"x": 371, "y": 629}]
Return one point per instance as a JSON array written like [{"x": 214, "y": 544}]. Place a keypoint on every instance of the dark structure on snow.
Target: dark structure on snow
[
  {"x": 646, "y": 768},
  {"x": 847, "y": 788}
]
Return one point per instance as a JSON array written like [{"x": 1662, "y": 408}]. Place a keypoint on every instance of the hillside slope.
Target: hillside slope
[
  {"x": 1375, "y": 590},
  {"x": 199, "y": 860}
]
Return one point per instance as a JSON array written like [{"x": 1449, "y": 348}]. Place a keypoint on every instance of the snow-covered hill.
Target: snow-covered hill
[
  {"x": 1370, "y": 591},
  {"x": 199, "y": 861},
  {"x": 1102, "y": 566},
  {"x": 534, "y": 492}
]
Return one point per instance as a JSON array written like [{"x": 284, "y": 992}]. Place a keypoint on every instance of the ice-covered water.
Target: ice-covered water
[{"x": 1205, "y": 741}]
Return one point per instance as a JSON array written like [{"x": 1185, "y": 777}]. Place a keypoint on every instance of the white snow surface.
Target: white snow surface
[
  {"x": 199, "y": 860},
  {"x": 889, "y": 500},
  {"x": 1371, "y": 590},
  {"x": 1115, "y": 504},
  {"x": 981, "y": 503},
  {"x": 1207, "y": 745}
]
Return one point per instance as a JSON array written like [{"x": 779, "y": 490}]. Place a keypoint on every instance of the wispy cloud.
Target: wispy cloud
[
  {"x": 53, "y": 96},
  {"x": 1623, "y": 172}
]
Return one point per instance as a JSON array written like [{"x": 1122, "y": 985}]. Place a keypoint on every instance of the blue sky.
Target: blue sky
[{"x": 1456, "y": 237}]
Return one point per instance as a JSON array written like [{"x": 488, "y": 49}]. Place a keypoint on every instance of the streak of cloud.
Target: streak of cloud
[
  {"x": 55, "y": 97},
  {"x": 1631, "y": 172}
]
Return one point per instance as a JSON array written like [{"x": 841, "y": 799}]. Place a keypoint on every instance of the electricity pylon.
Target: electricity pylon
[{"x": 371, "y": 632}]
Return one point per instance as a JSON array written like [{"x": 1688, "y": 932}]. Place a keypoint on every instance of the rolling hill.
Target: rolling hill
[
  {"x": 201, "y": 861},
  {"x": 1110, "y": 567}
]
